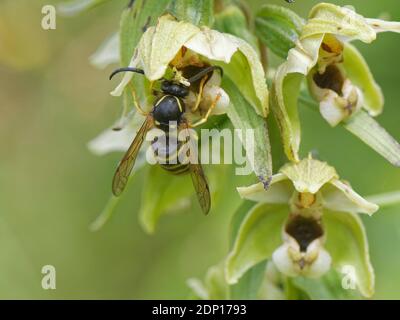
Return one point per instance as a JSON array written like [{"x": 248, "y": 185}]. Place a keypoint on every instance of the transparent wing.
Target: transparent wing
[
  {"x": 201, "y": 186},
  {"x": 199, "y": 179},
  {"x": 124, "y": 169}
]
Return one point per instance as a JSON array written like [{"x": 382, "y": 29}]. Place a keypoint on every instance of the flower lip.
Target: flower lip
[
  {"x": 304, "y": 230},
  {"x": 331, "y": 79}
]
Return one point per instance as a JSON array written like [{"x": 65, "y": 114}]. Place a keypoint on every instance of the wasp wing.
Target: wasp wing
[
  {"x": 124, "y": 169},
  {"x": 198, "y": 177},
  {"x": 201, "y": 186}
]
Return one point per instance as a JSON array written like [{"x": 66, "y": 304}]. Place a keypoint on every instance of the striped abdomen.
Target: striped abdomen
[{"x": 167, "y": 155}]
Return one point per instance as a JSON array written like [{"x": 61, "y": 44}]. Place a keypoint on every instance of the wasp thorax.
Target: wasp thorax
[
  {"x": 168, "y": 109},
  {"x": 172, "y": 88}
]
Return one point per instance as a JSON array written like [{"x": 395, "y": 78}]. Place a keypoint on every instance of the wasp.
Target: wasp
[{"x": 169, "y": 108}]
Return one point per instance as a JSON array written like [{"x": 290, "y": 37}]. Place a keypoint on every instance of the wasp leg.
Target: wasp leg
[
  {"x": 205, "y": 118},
  {"x": 137, "y": 105},
  {"x": 200, "y": 94}
]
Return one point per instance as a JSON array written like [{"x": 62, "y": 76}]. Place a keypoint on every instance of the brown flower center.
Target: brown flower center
[{"x": 304, "y": 230}]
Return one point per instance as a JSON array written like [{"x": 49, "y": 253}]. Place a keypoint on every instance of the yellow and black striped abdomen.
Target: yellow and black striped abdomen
[
  {"x": 167, "y": 156},
  {"x": 176, "y": 169}
]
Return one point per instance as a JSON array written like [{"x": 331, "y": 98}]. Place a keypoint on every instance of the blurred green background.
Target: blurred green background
[{"x": 52, "y": 102}]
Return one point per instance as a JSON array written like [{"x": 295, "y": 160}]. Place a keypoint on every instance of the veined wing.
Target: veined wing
[{"x": 124, "y": 169}]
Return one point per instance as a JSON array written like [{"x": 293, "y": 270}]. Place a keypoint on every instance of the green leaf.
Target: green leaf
[
  {"x": 244, "y": 117},
  {"x": 75, "y": 7},
  {"x": 232, "y": 20},
  {"x": 329, "y": 287},
  {"x": 162, "y": 193},
  {"x": 258, "y": 237},
  {"x": 370, "y": 132},
  {"x": 346, "y": 242},
  {"x": 249, "y": 284},
  {"x": 197, "y": 12},
  {"x": 278, "y": 28}
]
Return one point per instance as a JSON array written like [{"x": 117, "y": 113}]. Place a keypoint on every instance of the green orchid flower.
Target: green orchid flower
[
  {"x": 179, "y": 43},
  {"x": 306, "y": 222},
  {"x": 338, "y": 77}
]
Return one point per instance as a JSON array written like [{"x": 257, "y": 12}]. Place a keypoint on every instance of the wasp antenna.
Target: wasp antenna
[
  {"x": 127, "y": 69},
  {"x": 205, "y": 71}
]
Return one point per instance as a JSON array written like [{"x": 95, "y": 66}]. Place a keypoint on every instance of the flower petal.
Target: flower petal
[
  {"x": 111, "y": 140},
  {"x": 283, "y": 261},
  {"x": 213, "y": 44},
  {"x": 291, "y": 262},
  {"x": 286, "y": 89},
  {"x": 257, "y": 77},
  {"x": 347, "y": 244},
  {"x": 357, "y": 70},
  {"x": 240, "y": 62},
  {"x": 320, "y": 266},
  {"x": 75, "y": 7},
  {"x": 384, "y": 26},
  {"x": 259, "y": 235},
  {"x": 338, "y": 196},
  {"x": 279, "y": 191},
  {"x": 341, "y": 21},
  {"x": 337, "y": 103},
  {"x": 107, "y": 53},
  {"x": 309, "y": 175},
  {"x": 285, "y": 92},
  {"x": 158, "y": 47},
  {"x": 210, "y": 92},
  {"x": 160, "y": 44},
  {"x": 127, "y": 77}
]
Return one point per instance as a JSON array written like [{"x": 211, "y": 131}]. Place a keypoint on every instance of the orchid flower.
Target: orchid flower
[
  {"x": 306, "y": 222},
  {"x": 338, "y": 76}
]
